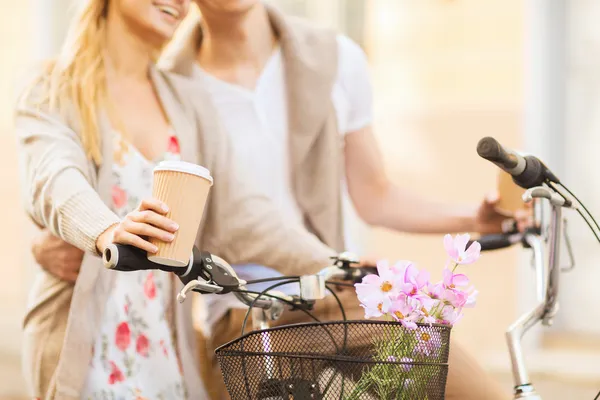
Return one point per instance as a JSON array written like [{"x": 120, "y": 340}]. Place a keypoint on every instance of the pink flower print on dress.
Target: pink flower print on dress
[
  {"x": 115, "y": 375},
  {"x": 142, "y": 345},
  {"x": 149, "y": 286},
  {"x": 164, "y": 348},
  {"x": 119, "y": 197},
  {"x": 173, "y": 147},
  {"x": 123, "y": 336}
]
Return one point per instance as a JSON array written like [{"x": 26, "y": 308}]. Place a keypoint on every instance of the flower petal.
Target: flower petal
[
  {"x": 372, "y": 279},
  {"x": 450, "y": 248},
  {"x": 472, "y": 300},
  {"x": 410, "y": 273},
  {"x": 460, "y": 242},
  {"x": 423, "y": 278},
  {"x": 447, "y": 275},
  {"x": 382, "y": 267},
  {"x": 472, "y": 253},
  {"x": 408, "y": 324},
  {"x": 460, "y": 280},
  {"x": 399, "y": 268},
  {"x": 407, "y": 288}
]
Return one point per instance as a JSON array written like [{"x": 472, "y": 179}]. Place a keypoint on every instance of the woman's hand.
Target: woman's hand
[{"x": 147, "y": 221}]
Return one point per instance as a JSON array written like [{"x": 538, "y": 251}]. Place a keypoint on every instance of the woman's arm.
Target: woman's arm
[
  {"x": 58, "y": 195},
  {"x": 55, "y": 177}
]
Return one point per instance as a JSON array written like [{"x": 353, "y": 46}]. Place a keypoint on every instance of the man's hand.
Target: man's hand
[
  {"x": 490, "y": 218},
  {"x": 56, "y": 256}
]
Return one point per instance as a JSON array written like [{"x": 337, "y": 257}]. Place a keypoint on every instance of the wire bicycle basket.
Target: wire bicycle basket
[{"x": 347, "y": 360}]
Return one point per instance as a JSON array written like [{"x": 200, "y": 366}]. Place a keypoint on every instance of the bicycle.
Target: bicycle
[
  {"x": 284, "y": 362},
  {"x": 208, "y": 274},
  {"x": 531, "y": 174}
]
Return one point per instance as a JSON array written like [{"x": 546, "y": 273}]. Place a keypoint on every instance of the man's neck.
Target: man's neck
[{"x": 237, "y": 47}]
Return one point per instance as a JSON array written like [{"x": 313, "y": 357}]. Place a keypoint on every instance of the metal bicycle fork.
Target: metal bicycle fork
[{"x": 547, "y": 284}]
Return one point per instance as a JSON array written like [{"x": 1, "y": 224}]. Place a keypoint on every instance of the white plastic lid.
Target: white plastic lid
[{"x": 185, "y": 167}]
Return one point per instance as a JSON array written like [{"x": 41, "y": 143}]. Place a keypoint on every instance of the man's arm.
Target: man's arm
[
  {"x": 380, "y": 202},
  {"x": 57, "y": 257}
]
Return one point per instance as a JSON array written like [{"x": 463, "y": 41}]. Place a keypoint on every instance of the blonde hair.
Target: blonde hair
[{"x": 77, "y": 76}]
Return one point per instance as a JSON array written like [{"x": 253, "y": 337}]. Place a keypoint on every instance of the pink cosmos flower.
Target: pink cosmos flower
[
  {"x": 450, "y": 315},
  {"x": 456, "y": 298},
  {"x": 457, "y": 249},
  {"x": 400, "y": 267},
  {"x": 437, "y": 291},
  {"x": 426, "y": 308},
  {"x": 403, "y": 310},
  {"x": 428, "y": 343},
  {"x": 452, "y": 280},
  {"x": 406, "y": 363},
  {"x": 384, "y": 284},
  {"x": 376, "y": 306},
  {"x": 472, "y": 299},
  {"x": 414, "y": 280}
]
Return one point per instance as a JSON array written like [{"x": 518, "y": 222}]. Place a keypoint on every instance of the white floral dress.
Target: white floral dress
[{"x": 135, "y": 355}]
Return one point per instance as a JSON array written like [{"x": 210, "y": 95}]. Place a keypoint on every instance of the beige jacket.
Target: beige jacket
[
  {"x": 65, "y": 193},
  {"x": 316, "y": 147}
]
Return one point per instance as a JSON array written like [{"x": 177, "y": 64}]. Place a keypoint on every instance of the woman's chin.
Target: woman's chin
[
  {"x": 228, "y": 6},
  {"x": 159, "y": 36}
]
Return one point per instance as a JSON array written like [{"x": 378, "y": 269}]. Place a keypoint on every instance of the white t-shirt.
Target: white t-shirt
[{"x": 257, "y": 123}]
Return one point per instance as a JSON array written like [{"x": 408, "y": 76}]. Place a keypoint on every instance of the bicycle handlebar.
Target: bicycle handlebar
[
  {"x": 527, "y": 171},
  {"x": 497, "y": 241},
  {"x": 208, "y": 274}
]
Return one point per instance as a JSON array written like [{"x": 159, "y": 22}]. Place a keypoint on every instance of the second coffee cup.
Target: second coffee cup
[{"x": 184, "y": 188}]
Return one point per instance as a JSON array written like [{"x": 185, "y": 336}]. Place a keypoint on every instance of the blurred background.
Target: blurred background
[{"x": 445, "y": 73}]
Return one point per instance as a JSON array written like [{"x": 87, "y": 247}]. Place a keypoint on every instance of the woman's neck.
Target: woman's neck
[
  {"x": 127, "y": 55},
  {"x": 239, "y": 41}
]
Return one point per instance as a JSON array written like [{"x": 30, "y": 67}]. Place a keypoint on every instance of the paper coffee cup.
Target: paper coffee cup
[
  {"x": 511, "y": 195},
  {"x": 184, "y": 188}
]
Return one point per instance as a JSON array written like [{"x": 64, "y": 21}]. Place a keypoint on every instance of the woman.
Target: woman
[
  {"x": 297, "y": 92},
  {"x": 91, "y": 127}
]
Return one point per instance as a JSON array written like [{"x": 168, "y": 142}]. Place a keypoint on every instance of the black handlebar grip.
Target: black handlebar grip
[
  {"x": 120, "y": 257},
  {"x": 356, "y": 275},
  {"x": 495, "y": 241},
  {"x": 490, "y": 149}
]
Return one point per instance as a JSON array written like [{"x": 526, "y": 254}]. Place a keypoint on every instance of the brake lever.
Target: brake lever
[
  {"x": 209, "y": 274},
  {"x": 345, "y": 260},
  {"x": 199, "y": 286},
  {"x": 220, "y": 273}
]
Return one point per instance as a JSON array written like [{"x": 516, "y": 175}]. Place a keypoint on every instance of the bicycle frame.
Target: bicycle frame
[{"x": 547, "y": 281}]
